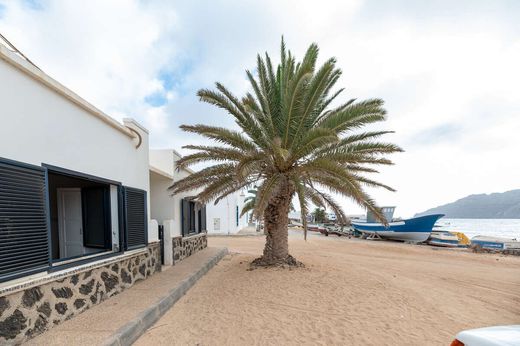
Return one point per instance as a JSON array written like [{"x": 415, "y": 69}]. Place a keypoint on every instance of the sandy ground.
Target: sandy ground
[{"x": 351, "y": 292}]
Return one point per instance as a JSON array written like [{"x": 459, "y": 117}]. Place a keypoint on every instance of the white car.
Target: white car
[{"x": 490, "y": 336}]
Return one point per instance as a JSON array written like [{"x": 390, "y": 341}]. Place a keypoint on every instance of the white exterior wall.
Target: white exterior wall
[
  {"x": 43, "y": 122},
  {"x": 161, "y": 201},
  {"x": 163, "y": 159},
  {"x": 226, "y": 211},
  {"x": 166, "y": 209}
]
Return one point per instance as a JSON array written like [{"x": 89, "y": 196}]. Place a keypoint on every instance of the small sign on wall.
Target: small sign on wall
[{"x": 216, "y": 224}]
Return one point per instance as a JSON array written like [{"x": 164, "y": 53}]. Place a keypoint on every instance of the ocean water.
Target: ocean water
[{"x": 507, "y": 228}]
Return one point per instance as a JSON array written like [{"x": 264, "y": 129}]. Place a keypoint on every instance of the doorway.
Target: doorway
[
  {"x": 84, "y": 217},
  {"x": 70, "y": 222}
]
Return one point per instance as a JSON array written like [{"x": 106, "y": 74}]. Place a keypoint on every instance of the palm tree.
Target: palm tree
[
  {"x": 319, "y": 215},
  {"x": 291, "y": 143},
  {"x": 249, "y": 205}
]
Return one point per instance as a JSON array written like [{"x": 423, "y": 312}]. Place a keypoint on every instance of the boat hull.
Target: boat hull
[
  {"x": 495, "y": 243},
  {"x": 417, "y": 229},
  {"x": 444, "y": 239},
  {"x": 443, "y": 243}
]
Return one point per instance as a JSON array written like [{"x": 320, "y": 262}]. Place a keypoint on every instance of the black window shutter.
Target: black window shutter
[
  {"x": 136, "y": 220},
  {"x": 24, "y": 227},
  {"x": 96, "y": 217},
  {"x": 203, "y": 219},
  {"x": 185, "y": 212}
]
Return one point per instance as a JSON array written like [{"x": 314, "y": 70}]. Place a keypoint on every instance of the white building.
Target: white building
[
  {"x": 81, "y": 199},
  {"x": 74, "y": 200},
  {"x": 85, "y": 161},
  {"x": 224, "y": 217},
  {"x": 221, "y": 218},
  {"x": 166, "y": 208}
]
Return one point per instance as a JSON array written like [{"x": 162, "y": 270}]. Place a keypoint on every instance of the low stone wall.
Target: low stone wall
[
  {"x": 186, "y": 246},
  {"x": 27, "y": 312}
]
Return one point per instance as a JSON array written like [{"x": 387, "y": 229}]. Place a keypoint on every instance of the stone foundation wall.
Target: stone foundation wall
[
  {"x": 186, "y": 246},
  {"x": 27, "y": 312}
]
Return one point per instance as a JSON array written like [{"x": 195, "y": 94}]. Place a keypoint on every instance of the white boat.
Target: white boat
[
  {"x": 443, "y": 238},
  {"x": 497, "y": 243}
]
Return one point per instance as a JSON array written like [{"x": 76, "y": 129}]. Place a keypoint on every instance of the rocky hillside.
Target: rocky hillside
[{"x": 504, "y": 205}]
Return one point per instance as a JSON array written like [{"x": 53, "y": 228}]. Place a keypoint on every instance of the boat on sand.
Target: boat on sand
[
  {"x": 417, "y": 229},
  {"x": 448, "y": 239},
  {"x": 495, "y": 243},
  {"x": 443, "y": 238}
]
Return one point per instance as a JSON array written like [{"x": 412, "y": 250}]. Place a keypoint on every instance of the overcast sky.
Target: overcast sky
[{"x": 449, "y": 72}]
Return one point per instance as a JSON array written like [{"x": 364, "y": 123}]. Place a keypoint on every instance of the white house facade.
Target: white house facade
[
  {"x": 221, "y": 218},
  {"x": 182, "y": 221},
  {"x": 85, "y": 210},
  {"x": 224, "y": 217},
  {"x": 74, "y": 202}
]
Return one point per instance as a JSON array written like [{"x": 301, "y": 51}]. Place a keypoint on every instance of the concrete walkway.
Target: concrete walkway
[{"x": 122, "y": 319}]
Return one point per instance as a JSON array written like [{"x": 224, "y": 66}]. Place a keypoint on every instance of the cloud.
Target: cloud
[{"x": 448, "y": 72}]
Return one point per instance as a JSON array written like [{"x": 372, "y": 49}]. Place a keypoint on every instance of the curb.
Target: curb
[{"x": 131, "y": 331}]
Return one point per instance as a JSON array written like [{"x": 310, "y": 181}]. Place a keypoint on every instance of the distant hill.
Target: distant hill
[{"x": 504, "y": 205}]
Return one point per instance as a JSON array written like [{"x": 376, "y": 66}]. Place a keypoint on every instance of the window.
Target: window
[
  {"x": 193, "y": 217},
  {"x": 80, "y": 214},
  {"x": 51, "y": 217}
]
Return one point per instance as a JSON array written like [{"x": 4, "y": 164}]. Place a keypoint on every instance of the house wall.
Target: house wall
[
  {"x": 163, "y": 159},
  {"x": 166, "y": 209},
  {"x": 42, "y": 122},
  {"x": 225, "y": 211},
  {"x": 40, "y": 125},
  {"x": 161, "y": 201}
]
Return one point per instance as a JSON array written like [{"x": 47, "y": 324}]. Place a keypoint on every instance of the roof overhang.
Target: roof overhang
[{"x": 160, "y": 172}]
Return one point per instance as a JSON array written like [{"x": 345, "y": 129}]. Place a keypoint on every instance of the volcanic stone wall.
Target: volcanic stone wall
[
  {"x": 186, "y": 246},
  {"x": 26, "y": 312}
]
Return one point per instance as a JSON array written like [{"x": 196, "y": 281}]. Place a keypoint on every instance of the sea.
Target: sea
[{"x": 507, "y": 228}]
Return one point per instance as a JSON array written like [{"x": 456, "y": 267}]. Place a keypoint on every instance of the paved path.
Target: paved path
[{"x": 135, "y": 309}]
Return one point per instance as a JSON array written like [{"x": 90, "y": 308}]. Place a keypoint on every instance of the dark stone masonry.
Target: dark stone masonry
[
  {"x": 186, "y": 246},
  {"x": 25, "y": 313}
]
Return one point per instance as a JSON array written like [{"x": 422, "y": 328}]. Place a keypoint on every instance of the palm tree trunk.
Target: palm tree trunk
[{"x": 276, "y": 219}]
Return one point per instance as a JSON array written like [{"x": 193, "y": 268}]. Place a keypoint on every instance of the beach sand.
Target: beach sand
[{"x": 351, "y": 292}]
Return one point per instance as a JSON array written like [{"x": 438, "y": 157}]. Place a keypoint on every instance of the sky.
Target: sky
[{"x": 449, "y": 72}]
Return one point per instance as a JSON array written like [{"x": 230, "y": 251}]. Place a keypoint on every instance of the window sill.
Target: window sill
[{"x": 60, "y": 262}]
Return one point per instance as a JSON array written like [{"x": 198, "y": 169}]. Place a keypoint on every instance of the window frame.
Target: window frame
[
  {"x": 58, "y": 264},
  {"x": 53, "y": 265}
]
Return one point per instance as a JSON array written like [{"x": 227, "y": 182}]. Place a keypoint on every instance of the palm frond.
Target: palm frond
[{"x": 221, "y": 135}]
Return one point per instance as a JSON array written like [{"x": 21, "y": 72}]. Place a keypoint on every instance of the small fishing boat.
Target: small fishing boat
[
  {"x": 495, "y": 243},
  {"x": 417, "y": 229},
  {"x": 315, "y": 228},
  {"x": 443, "y": 238}
]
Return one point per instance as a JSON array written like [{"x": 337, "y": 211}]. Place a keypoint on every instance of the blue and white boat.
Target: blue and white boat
[
  {"x": 495, "y": 243},
  {"x": 417, "y": 229},
  {"x": 444, "y": 239}
]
